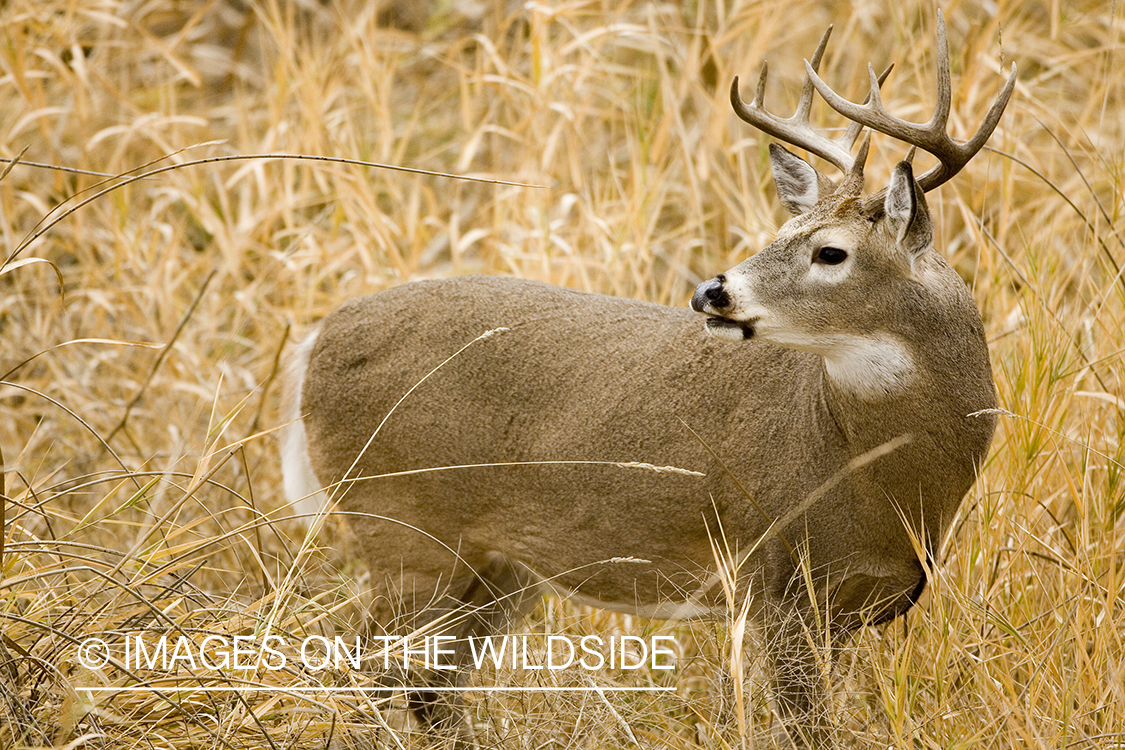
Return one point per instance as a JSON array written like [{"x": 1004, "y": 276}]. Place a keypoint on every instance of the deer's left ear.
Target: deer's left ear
[{"x": 907, "y": 215}]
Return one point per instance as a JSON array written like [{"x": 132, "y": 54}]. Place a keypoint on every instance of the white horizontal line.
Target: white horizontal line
[{"x": 426, "y": 688}]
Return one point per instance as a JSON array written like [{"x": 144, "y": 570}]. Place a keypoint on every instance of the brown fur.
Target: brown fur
[{"x": 584, "y": 377}]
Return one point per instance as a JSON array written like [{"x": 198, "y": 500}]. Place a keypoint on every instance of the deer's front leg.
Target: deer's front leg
[{"x": 800, "y": 680}]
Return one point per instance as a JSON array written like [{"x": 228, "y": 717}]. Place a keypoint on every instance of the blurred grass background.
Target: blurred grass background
[{"x": 140, "y": 335}]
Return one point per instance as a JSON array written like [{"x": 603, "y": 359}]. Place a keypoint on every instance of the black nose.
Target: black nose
[{"x": 711, "y": 294}]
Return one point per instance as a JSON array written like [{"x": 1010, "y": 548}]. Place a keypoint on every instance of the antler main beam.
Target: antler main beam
[{"x": 932, "y": 136}]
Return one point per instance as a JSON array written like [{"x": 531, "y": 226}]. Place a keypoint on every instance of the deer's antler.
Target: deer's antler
[
  {"x": 931, "y": 137},
  {"x": 796, "y": 130}
]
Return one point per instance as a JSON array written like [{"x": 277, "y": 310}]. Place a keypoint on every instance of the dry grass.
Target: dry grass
[{"x": 135, "y": 413}]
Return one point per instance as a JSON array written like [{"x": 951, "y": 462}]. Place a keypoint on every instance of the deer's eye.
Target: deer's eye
[{"x": 831, "y": 256}]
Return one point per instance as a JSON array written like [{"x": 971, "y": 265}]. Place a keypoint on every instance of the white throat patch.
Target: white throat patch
[{"x": 870, "y": 367}]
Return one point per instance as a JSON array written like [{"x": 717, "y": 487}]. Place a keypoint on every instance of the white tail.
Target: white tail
[
  {"x": 829, "y": 428},
  {"x": 302, "y": 488}
]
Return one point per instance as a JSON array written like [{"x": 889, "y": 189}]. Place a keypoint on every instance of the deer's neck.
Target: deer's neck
[{"x": 916, "y": 425}]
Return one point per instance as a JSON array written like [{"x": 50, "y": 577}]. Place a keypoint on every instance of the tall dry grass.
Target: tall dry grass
[{"x": 141, "y": 333}]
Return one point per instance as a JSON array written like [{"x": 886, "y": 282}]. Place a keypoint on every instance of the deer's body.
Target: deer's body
[
  {"x": 825, "y": 433},
  {"x": 771, "y": 415}
]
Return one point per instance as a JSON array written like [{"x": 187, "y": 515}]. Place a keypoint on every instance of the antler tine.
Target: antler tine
[
  {"x": 992, "y": 119},
  {"x": 795, "y": 130},
  {"x": 932, "y": 136},
  {"x": 855, "y": 128},
  {"x": 944, "y": 84},
  {"x": 804, "y": 104}
]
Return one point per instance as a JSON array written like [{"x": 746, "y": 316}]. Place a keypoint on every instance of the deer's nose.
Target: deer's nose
[{"x": 710, "y": 296}]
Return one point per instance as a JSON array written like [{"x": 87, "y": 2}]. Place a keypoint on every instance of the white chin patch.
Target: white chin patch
[
  {"x": 725, "y": 333},
  {"x": 727, "y": 330}
]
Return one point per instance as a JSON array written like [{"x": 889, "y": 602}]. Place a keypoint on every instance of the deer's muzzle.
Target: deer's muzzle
[{"x": 710, "y": 297}]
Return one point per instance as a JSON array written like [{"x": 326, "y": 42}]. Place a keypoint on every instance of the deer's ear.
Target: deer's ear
[
  {"x": 798, "y": 184},
  {"x": 907, "y": 215}
]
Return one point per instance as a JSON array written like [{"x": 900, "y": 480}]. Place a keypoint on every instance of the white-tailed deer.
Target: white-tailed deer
[{"x": 830, "y": 424}]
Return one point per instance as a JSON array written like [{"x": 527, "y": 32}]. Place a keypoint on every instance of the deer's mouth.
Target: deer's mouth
[{"x": 725, "y": 328}]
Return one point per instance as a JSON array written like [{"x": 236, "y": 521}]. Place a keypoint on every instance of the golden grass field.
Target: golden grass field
[{"x": 141, "y": 334}]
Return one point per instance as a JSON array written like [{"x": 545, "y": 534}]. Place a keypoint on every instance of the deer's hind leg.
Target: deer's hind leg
[{"x": 480, "y": 603}]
